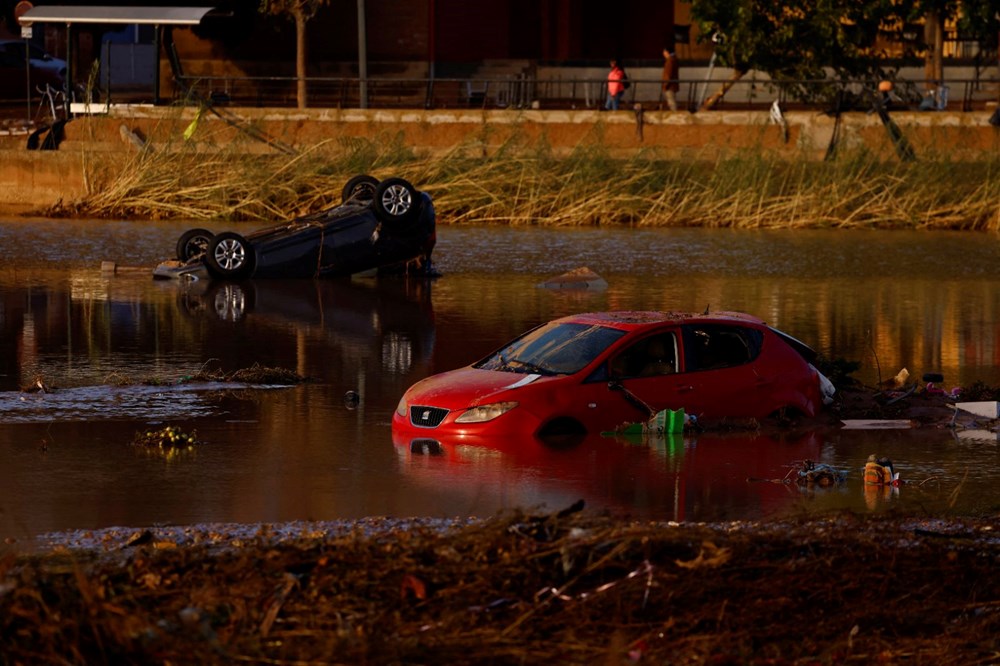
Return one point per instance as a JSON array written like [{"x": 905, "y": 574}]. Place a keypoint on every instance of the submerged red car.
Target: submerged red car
[{"x": 594, "y": 372}]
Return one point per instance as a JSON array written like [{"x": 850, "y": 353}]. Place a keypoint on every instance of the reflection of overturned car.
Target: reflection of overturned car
[
  {"x": 385, "y": 226},
  {"x": 367, "y": 324},
  {"x": 593, "y": 372}
]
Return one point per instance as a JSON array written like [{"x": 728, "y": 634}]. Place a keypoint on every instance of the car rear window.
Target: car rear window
[
  {"x": 712, "y": 346},
  {"x": 553, "y": 349}
]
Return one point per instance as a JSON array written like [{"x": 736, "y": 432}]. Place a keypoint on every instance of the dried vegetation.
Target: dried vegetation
[
  {"x": 518, "y": 589},
  {"x": 521, "y": 183}
]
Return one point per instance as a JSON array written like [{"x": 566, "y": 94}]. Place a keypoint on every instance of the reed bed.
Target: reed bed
[{"x": 519, "y": 185}]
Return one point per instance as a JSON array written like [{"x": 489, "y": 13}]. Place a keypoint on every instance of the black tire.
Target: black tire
[
  {"x": 361, "y": 188},
  {"x": 230, "y": 256},
  {"x": 193, "y": 243},
  {"x": 396, "y": 201}
]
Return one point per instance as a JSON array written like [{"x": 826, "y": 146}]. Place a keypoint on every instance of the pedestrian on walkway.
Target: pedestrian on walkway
[
  {"x": 617, "y": 82},
  {"x": 671, "y": 84}
]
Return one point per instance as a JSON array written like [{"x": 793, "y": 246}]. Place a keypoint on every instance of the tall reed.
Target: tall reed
[{"x": 519, "y": 185}]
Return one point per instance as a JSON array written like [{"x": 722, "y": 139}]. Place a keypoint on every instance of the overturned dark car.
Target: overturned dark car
[{"x": 380, "y": 226}]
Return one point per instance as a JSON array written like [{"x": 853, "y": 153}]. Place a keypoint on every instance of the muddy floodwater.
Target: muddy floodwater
[{"x": 927, "y": 302}]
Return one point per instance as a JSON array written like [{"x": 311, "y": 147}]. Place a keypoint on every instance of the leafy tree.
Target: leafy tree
[
  {"x": 299, "y": 11},
  {"x": 975, "y": 19},
  {"x": 798, "y": 39}
]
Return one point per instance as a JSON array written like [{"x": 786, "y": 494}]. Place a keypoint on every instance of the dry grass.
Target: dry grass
[
  {"x": 522, "y": 185},
  {"x": 521, "y": 589}
]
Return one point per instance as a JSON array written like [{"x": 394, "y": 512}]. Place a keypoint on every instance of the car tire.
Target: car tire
[
  {"x": 396, "y": 201},
  {"x": 361, "y": 188},
  {"x": 230, "y": 256},
  {"x": 193, "y": 243}
]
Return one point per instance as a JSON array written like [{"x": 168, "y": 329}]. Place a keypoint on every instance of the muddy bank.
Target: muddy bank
[{"x": 548, "y": 588}]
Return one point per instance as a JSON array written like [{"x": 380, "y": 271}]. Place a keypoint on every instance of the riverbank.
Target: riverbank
[
  {"x": 526, "y": 588},
  {"x": 737, "y": 169}
]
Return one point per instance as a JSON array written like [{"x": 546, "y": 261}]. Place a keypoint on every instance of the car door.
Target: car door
[
  {"x": 649, "y": 372},
  {"x": 709, "y": 370},
  {"x": 721, "y": 377},
  {"x": 638, "y": 380}
]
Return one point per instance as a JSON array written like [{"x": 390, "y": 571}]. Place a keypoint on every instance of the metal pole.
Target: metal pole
[
  {"x": 430, "y": 54},
  {"x": 156, "y": 64},
  {"x": 27, "y": 78},
  {"x": 69, "y": 68},
  {"x": 362, "y": 56}
]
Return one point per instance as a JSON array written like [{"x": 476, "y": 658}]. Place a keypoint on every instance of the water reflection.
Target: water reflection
[
  {"x": 96, "y": 326},
  {"x": 675, "y": 477},
  {"x": 923, "y": 301},
  {"x": 704, "y": 476}
]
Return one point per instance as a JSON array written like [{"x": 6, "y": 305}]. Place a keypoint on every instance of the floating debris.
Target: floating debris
[
  {"x": 352, "y": 399},
  {"x": 255, "y": 374},
  {"x": 811, "y": 473},
  {"x": 38, "y": 386},
  {"x": 169, "y": 437},
  {"x": 666, "y": 421},
  {"x": 989, "y": 409},
  {"x": 880, "y": 472},
  {"x": 877, "y": 424},
  {"x": 579, "y": 278}
]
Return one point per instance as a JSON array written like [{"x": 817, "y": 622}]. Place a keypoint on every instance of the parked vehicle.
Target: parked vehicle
[
  {"x": 594, "y": 372},
  {"x": 381, "y": 226},
  {"x": 19, "y": 80},
  {"x": 38, "y": 58}
]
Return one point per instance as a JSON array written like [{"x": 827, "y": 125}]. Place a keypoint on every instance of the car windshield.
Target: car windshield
[{"x": 553, "y": 349}]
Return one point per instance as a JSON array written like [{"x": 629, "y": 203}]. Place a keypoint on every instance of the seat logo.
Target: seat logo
[{"x": 425, "y": 415}]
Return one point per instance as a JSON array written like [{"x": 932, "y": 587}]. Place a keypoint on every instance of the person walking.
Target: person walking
[
  {"x": 670, "y": 79},
  {"x": 616, "y": 86}
]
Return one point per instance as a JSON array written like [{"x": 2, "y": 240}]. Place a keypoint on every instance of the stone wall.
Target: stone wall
[{"x": 33, "y": 178}]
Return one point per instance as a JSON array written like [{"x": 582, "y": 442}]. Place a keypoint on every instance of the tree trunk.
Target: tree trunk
[
  {"x": 934, "y": 37},
  {"x": 726, "y": 85},
  {"x": 300, "y": 58}
]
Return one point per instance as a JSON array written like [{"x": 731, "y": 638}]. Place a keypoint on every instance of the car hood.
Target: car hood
[{"x": 468, "y": 387}]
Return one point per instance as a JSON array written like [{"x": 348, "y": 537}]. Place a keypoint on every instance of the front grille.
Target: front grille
[{"x": 427, "y": 417}]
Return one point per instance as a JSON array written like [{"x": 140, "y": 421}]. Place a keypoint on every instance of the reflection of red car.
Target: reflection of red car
[
  {"x": 594, "y": 372},
  {"x": 699, "y": 477}
]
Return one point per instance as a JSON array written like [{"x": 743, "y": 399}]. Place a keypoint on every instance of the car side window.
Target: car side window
[
  {"x": 713, "y": 346},
  {"x": 649, "y": 357}
]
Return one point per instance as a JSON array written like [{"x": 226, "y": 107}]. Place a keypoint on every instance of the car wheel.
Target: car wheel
[
  {"x": 193, "y": 243},
  {"x": 230, "y": 256},
  {"x": 396, "y": 200},
  {"x": 361, "y": 188}
]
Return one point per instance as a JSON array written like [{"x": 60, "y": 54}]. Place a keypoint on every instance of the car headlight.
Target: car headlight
[
  {"x": 484, "y": 413},
  {"x": 401, "y": 407}
]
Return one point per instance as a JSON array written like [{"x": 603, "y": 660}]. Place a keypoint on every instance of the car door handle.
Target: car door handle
[{"x": 685, "y": 389}]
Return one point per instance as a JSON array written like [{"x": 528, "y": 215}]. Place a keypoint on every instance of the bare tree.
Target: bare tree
[{"x": 299, "y": 11}]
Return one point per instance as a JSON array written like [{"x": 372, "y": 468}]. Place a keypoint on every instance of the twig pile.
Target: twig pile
[{"x": 522, "y": 589}]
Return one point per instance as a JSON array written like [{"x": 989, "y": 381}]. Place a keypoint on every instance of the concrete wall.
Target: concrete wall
[{"x": 95, "y": 144}]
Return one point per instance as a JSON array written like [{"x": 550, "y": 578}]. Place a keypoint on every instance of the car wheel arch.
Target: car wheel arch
[{"x": 561, "y": 425}]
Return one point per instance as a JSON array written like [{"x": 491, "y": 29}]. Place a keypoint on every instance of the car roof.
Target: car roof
[{"x": 637, "y": 319}]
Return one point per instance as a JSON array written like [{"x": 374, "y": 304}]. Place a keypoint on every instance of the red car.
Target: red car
[{"x": 594, "y": 372}]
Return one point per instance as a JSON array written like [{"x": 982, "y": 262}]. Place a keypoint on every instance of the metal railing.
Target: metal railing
[{"x": 573, "y": 93}]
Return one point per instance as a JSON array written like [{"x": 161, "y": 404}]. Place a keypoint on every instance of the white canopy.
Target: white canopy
[{"x": 144, "y": 15}]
